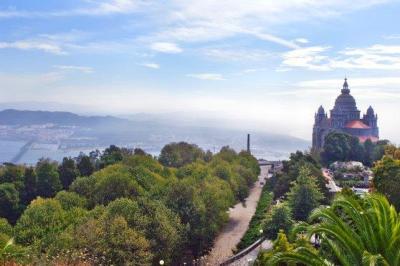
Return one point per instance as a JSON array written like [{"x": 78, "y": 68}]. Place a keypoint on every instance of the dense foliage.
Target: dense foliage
[
  {"x": 122, "y": 207},
  {"x": 353, "y": 231},
  {"x": 340, "y": 146},
  {"x": 304, "y": 195},
  {"x": 387, "y": 175},
  {"x": 282, "y": 181},
  {"x": 279, "y": 218},
  {"x": 297, "y": 190},
  {"x": 256, "y": 222}
]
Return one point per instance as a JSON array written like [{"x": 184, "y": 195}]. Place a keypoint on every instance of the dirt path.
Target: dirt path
[{"x": 239, "y": 219}]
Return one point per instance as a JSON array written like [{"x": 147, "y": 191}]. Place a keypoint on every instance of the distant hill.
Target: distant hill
[
  {"x": 148, "y": 132},
  {"x": 18, "y": 117}
]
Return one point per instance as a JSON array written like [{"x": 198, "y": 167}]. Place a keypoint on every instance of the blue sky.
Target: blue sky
[{"x": 261, "y": 64}]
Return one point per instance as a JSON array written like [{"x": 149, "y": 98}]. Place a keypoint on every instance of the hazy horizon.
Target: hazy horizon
[{"x": 265, "y": 65}]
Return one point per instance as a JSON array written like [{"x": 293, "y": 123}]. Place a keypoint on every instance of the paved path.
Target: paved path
[
  {"x": 239, "y": 219},
  {"x": 252, "y": 256},
  {"x": 331, "y": 183}
]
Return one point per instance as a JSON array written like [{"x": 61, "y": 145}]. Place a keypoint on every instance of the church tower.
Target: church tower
[{"x": 345, "y": 117}]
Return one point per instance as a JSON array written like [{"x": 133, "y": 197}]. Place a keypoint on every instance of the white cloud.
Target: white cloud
[
  {"x": 83, "y": 69},
  {"x": 151, "y": 65},
  {"x": 166, "y": 47},
  {"x": 301, "y": 40},
  {"x": 377, "y": 57},
  {"x": 310, "y": 58},
  {"x": 106, "y": 7},
  {"x": 44, "y": 46},
  {"x": 91, "y": 8},
  {"x": 375, "y": 82},
  {"x": 235, "y": 54},
  {"x": 207, "y": 76}
]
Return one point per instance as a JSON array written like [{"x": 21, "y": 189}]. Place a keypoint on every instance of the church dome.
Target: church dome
[{"x": 345, "y": 102}]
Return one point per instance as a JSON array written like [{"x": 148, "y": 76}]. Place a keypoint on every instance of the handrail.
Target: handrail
[{"x": 244, "y": 252}]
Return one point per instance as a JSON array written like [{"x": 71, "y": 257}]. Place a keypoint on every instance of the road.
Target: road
[
  {"x": 239, "y": 219},
  {"x": 331, "y": 183}
]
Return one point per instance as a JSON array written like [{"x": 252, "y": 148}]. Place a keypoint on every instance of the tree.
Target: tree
[
  {"x": 12, "y": 173},
  {"x": 280, "y": 245},
  {"x": 41, "y": 223},
  {"x": 387, "y": 179},
  {"x": 85, "y": 165},
  {"x": 356, "y": 232},
  {"x": 139, "y": 151},
  {"x": 67, "y": 171},
  {"x": 113, "y": 182},
  {"x": 112, "y": 155},
  {"x": 30, "y": 186},
  {"x": 369, "y": 152},
  {"x": 113, "y": 241},
  {"x": 304, "y": 196},
  {"x": 9, "y": 199},
  {"x": 155, "y": 221},
  {"x": 282, "y": 180},
  {"x": 70, "y": 200},
  {"x": 278, "y": 219},
  {"x": 337, "y": 147},
  {"x": 48, "y": 181},
  {"x": 180, "y": 154}
]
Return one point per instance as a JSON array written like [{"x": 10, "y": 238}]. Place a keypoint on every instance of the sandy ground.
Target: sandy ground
[{"x": 239, "y": 219}]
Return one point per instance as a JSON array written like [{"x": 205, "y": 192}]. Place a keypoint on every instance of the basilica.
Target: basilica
[{"x": 345, "y": 117}]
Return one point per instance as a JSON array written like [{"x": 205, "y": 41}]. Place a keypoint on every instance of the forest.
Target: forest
[{"x": 121, "y": 206}]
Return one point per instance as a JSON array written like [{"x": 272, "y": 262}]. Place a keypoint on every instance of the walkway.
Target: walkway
[{"x": 239, "y": 219}]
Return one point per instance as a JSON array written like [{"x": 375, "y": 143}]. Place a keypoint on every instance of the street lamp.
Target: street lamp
[{"x": 162, "y": 262}]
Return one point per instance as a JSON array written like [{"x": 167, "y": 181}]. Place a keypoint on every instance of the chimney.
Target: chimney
[{"x": 248, "y": 143}]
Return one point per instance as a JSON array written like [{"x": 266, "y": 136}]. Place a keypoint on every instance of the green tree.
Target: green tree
[
  {"x": 9, "y": 199},
  {"x": 278, "y": 219},
  {"x": 70, "y": 200},
  {"x": 12, "y": 173},
  {"x": 30, "y": 186},
  {"x": 337, "y": 147},
  {"x": 48, "y": 181},
  {"x": 356, "y": 232},
  {"x": 113, "y": 182},
  {"x": 155, "y": 221},
  {"x": 67, "y": 171},
  {"x": 180, "y": 154},
  {"x": 281, "y": 181},
  {"x": 114, "y": 242},
  {"x": 387, "y": 179},
  {"x": 85, "y": 165},
  {"x": 41, "y": 223},
  {"x": 112, "y": 155},
  {"x": 304, "y": 196}
]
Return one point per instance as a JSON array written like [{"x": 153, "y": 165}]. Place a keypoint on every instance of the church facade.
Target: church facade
[{"x": 345, "y": 117}]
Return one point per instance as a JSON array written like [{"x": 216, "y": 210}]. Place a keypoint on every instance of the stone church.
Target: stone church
[{"x": 345, "y": 117}]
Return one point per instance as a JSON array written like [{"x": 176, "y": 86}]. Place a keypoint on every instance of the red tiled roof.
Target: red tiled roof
[
  {"x": 356, "y": 124},
  {"x": 365, "y": 138}
]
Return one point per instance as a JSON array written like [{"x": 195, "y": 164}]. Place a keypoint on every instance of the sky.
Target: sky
[{"x": 258, "y": 65}]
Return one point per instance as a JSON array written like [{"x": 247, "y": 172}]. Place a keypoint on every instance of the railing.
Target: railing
[{"x": 244, "y": 252}]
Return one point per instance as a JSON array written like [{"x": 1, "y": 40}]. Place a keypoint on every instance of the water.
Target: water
[
  {"x": 8, "y": 149},
  {"x": 33, "y": 155}
]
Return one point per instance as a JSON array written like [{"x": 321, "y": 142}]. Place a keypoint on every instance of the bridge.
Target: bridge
[{"x": 24, "y": 149}]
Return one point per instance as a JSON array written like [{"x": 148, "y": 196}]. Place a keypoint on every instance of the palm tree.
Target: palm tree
[
  {"x": 9, "y": 251},
  {"x": 355, "y": 232}
]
